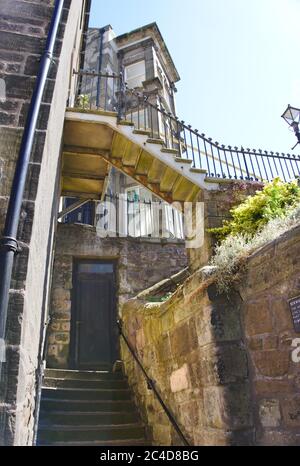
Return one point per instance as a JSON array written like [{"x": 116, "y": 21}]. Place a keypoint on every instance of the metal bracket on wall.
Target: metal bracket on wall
[{"x": 10, "y": 244}]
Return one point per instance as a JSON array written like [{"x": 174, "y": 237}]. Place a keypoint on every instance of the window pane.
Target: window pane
[
  {"x": 95, "y": 267},
  {"x": 135, "y": 74},
  {"x": 137, "y": 69}
]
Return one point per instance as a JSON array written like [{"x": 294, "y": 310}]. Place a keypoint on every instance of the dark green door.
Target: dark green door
[{"x": 94, "y": 331}]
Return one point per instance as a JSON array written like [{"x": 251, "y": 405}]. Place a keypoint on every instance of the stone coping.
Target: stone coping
[
  {"x": 198, "y": 280},
  {"x": 165, "y": 285}
]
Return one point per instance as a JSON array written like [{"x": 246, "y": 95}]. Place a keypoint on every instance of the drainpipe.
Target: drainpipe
[
  {"x": 102, "y": 32},
  {"x": 9, "y": 245}
]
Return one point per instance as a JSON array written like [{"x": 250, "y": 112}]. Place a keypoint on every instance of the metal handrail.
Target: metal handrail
[
  {"x": 214, "y": 160},
  {"x": 152, "y": 386}
]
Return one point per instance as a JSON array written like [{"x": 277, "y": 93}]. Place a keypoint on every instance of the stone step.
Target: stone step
[
  {"x": 198, "y": 170},
  {"x": 181, "y": 160},
  {"x": 87, "y": 418},
  {"x": 99, "y": 406},
  {"x": 143, "y": 132},
  {"x": 88, "y": 408},
  {"x": 85, "y": 375},
  {"x": 167, "y": 150},
  {"x": 103, "y": 443},
  {"x": 126, "y": 123},
  {"x": 155, "y": 141},
  {"x": 50, "y": 382},
  {"x": 59, "y": 433},
  {"x": 87, "y": 394}
]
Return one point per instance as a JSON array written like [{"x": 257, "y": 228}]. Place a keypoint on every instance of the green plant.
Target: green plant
[
  {"x": 231, "y": 254},
  {"x": 248, "y": 218},
  {"x": 159, "y": 298},
  {"x": 83, "y": 101}
]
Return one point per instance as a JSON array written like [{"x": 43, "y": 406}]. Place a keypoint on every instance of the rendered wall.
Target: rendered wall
[{"x": 23, "y": 30}]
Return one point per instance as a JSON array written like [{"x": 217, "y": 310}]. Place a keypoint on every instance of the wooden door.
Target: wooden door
[{"x": 94, "y": 333}]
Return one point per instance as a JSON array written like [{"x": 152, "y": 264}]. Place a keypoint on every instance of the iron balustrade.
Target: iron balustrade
[
  {"x": 118, "y": 215},
  {"x": 109, "y": 92},
  {"x": 98, "y": 91},
  {"x": 152, "y": 386},
  {"x": 138, "y": 218}
]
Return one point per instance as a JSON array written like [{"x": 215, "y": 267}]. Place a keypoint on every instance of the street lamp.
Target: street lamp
[{"x": 292, "y": 117}]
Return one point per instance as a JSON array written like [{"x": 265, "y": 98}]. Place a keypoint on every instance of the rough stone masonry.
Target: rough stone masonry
[
  {"x": 140, "y": 263},
  {"x": 222, "y": 363}
]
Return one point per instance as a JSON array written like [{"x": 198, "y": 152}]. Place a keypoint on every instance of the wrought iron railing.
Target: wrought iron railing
[
  {"x": 118, "y": 215},
  {"x": 109, "y": 92},
  {"x": 152, "y": 386}
]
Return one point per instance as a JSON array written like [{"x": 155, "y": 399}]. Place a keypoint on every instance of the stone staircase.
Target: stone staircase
[
  {"x": 152, "y": 146},
  {"x": 88, "y": 408},
  {"x": 95, "y": 140}
]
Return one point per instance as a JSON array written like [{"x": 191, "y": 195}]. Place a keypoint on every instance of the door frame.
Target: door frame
[{"x": 74, "y": 341}]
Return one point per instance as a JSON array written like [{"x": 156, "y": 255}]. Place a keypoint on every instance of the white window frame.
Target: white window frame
[{"x": 139, "y": 77}]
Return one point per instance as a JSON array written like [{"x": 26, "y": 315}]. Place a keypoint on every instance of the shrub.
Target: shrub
[
  {"x": 231, "y": 254},
  {"x": 248, "y": 218}
]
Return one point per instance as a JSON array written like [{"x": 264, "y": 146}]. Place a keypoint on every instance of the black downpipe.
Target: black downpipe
[
  {"x": 9, "y": 246},
  {"x": 102, "y": 32}
]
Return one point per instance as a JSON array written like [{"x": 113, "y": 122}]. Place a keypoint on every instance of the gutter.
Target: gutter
[
  {"x": 9, "y": 246},
  {"x": 85, "y": 31},
  {"x": 102, "y": 32}
]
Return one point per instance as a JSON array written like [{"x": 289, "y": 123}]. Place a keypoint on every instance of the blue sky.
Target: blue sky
[{"x": 239, "y": 62}]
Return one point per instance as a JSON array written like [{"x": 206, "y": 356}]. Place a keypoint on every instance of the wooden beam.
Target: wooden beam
[
  {"x": 84, "y": 176},
  {"x": 82, "y": 150}
]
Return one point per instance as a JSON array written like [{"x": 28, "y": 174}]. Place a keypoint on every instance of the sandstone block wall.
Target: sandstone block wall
[
  {"x": 192, "y": 346},
  {"x": 222, "y": 363},
  {"x": 272, "y": 279},
  {"x": 140, "y": 263}
]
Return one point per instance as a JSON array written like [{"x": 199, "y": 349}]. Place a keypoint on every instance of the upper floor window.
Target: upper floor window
[
  {"x": 135, "y": 74},
  {"x": 159, "y": 71}
]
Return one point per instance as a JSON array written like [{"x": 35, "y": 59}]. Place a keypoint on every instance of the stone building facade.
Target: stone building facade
[
  {"x": 222, "y": 366},
  {"x": 135, "y": 251},
  {"x": 135, "y": 272},
  {"x": 142, "y": 58},
  {"x": 25, "y": 25}
]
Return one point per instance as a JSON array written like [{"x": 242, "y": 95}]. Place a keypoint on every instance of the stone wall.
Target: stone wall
[
  {"x": 222, "y": 364},
  {"x": 192, "y": 346},
  {"x": 272, "y": 279},
  {"x": 23, "y": 31},
  {"x": 141, "y": 263}
]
